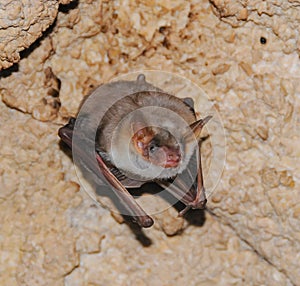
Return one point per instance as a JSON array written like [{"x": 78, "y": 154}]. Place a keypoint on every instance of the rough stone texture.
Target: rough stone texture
[
  {"x": 22, "y": 23},
  {"x": 281, "y": 18},
  {"x": 37, "y": 243},
  {"x": 53, "y": 235},
  {"x": 48, "y": 228}
]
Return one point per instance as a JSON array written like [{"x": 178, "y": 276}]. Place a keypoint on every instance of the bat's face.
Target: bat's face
[{"x": 157, "y": 146}]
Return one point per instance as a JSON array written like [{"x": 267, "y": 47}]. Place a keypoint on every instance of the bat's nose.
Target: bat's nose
[{"x": 173, "y": 158}]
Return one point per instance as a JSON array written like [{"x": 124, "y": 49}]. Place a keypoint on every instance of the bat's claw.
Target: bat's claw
[
  {"x": 199, "y": 205},
  {"x": 147, "y": 222},
  {"x": 144, "y": 221}
]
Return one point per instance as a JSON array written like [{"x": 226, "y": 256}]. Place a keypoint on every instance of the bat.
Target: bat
[{"x": 145, "y": 136}]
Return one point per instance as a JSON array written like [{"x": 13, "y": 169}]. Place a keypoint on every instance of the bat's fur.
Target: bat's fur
[{"x": 115, "y": 132}]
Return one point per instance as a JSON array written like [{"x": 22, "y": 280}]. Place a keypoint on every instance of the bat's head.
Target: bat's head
[
  {"x": 154, "y": 141},
  {"x": 157, "y": 146}
]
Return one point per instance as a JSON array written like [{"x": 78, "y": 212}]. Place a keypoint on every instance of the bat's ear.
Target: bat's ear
[
  {"x": 196, "y": 127},
  {"x": 142, "y": 134},
  {"x": 189, "y": 102}
]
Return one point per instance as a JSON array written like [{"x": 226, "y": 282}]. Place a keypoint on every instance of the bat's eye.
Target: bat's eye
[{"x": 152, "y": 147}]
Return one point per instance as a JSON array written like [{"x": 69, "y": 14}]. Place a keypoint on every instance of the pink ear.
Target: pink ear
[{"x": 143, "y": 134}]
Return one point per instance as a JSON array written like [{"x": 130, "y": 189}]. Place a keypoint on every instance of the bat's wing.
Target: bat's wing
[
  {"x": 126, "y": 182},
  {"x": 101, "y": 168},
  {"x": 124, "y": 196}
]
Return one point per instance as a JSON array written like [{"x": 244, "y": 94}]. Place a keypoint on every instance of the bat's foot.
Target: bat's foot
[
  {"x": 144, "y": 221},
  {"x": 148, "y": 222},
  {"x": 194, "y": 205},
  {"x": 200, "y": 205}
]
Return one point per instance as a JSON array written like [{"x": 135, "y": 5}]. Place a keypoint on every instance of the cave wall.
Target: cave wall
[{"x": 243, "y": 54}]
